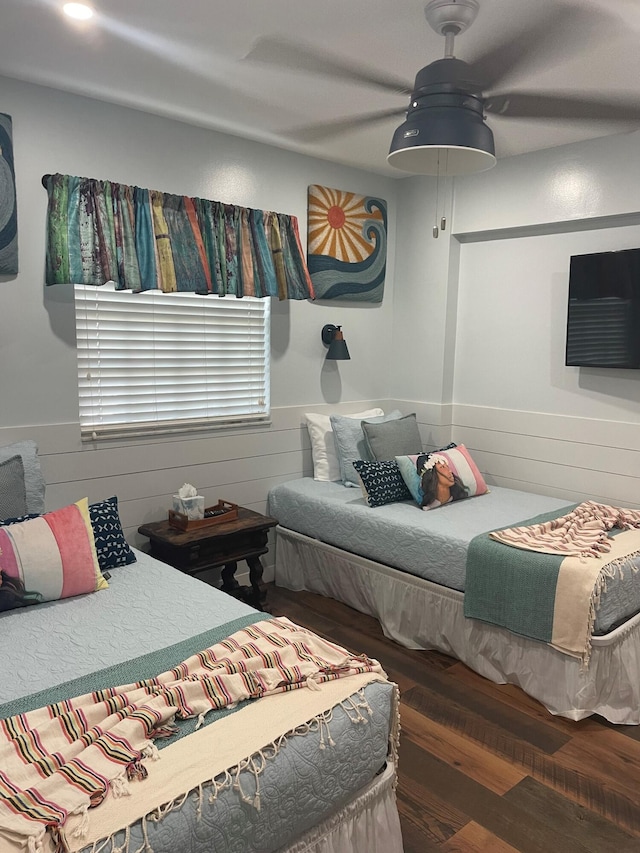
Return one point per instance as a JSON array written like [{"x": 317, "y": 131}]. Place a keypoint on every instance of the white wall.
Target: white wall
[
  {"x": 57, "y": 132},
  {"x": 470, "y": 334},
  {"x": 533, "y": 422}
]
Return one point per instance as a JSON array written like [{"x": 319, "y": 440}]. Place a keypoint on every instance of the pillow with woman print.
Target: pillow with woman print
[{"x": 442, "y": 476}]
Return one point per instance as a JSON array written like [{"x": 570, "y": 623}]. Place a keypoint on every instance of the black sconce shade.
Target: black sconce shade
[{"x": 333, "y": 338}]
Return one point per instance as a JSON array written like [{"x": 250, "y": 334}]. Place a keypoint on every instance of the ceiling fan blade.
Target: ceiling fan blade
[
  {"x": 555, "y": 36},
  {"x": 303, "y": 57},
  {"x": 324, "y": 130},
  {"x": 550, "y": 105}
]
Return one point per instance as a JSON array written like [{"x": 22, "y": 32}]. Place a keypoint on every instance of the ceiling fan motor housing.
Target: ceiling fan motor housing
[
  {"x": 451, "y": 72},
  {"x": 444, "y": 132}
]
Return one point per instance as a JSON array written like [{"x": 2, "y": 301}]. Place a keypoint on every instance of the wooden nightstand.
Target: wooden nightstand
[{"x": 196, "y": 551}]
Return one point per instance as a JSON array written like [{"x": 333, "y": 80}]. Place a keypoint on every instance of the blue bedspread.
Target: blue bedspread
[
  {"x": 156, "y": 613},
  {"x": 431, "y": 545}
]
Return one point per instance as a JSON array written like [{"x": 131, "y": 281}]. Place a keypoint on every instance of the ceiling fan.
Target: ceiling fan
[{"x": 445, "y": 130}]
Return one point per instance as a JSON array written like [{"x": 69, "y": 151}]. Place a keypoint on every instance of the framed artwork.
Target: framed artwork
[
  {"x": 347, "y": 244},
  {"x": 8, "y": 215}
]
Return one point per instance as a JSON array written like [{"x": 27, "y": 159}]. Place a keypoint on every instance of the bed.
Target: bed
[
  {"x": 310, "y": 769},
  {"x": 407, "y": 568}
]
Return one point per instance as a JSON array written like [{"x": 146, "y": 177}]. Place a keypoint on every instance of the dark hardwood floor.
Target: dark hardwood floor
[{"x": 483, "y": 767}]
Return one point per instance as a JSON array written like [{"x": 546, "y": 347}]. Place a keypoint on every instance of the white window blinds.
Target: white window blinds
[{"x": 154, "y": 361}]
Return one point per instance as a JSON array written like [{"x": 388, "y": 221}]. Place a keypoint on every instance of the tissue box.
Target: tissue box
[
  {"x": 222, "y": 512},
  {"x": 193, "y": 507}
]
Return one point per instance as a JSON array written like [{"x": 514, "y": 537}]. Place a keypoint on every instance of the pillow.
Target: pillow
[
  {"x": 382, "y": 482},
  {"x": 350, "y": 443},
  {"x": 33, "y": 479},
  {"x": 459, "y": 476},
  {"x": 323, "y": 449},
  {"x": 49, "y": 558},
  {"x": 111, "y": 546},
  {"x": 112, "y": 549},
  {"x": 407, "y": 466},
  {"x": 13, "y": 493},
  {"x": 396, "y": 438}
]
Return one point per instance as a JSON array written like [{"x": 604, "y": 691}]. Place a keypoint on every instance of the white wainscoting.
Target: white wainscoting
[
  {"x": 239, "y": 465},
  {"x": 558, "y": 455},
  {"x": 577, "y": 458}
]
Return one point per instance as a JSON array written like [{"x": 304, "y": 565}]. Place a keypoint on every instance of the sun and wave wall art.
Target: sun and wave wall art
[{"x": 347, "y": 244}]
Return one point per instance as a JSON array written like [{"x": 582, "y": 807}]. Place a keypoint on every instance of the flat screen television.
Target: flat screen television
[{"x": 603, "y": 319}]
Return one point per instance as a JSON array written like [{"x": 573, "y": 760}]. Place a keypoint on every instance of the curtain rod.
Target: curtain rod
[{"x": 44, "y": 180}]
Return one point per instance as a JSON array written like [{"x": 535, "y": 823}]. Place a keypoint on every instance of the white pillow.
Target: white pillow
[{"x": 323, "y": 449}]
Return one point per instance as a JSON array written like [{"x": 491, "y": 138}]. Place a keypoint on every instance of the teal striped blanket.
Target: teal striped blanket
[{"x": 551, "y": 597}]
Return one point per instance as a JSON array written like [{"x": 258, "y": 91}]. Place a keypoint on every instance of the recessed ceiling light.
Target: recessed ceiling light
[{"x": 79, "y": 11}]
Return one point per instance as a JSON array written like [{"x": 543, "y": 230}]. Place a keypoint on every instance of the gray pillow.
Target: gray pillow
[
  {"x": 351, "y": 444},
  {"x": 383, "y": 440},
  {"x": 34, "y": 481},
  {"x": 13, "y": 495}
]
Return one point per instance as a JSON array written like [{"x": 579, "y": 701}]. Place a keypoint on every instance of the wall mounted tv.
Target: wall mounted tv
[{"x": 603, "y": 320}]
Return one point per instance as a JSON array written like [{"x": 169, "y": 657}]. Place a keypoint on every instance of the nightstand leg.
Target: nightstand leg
[
  {"x": 255, "y": 578},
  {"x": 229, "y": 583}
]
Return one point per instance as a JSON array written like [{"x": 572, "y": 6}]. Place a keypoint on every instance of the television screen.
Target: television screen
[{"x": 603, "y": 320}]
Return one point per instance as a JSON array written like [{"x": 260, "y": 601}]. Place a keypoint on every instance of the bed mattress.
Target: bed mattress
[
  {"x": 430, "y": 545},
  {"x": 150, "y": 616}
]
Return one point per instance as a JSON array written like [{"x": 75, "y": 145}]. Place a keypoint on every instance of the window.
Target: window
[{"x": 163, "y": 362}]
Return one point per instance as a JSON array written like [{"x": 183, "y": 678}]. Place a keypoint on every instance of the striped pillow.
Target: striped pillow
[{"x": 48, "y": 558}]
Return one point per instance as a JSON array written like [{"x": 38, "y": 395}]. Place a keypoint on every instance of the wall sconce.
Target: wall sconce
[{"x": 332, "y": 337}]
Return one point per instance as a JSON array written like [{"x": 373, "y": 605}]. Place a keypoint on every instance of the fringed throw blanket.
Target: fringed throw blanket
[
  {"x": 58, "y": 762},
  {"x": 550, "y": 589}
]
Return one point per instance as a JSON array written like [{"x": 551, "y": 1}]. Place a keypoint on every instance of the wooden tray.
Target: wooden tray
[{"x": 225, "y": 510}]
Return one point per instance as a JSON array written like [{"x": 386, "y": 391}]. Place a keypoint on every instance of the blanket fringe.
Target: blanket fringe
[
  {"x": 120, "y": 786},
  {"x": 83, "y": 827},
  {"x": 150, "y": 750},
  {"x": 35, "y": 845},
  {"x": 233, "y": 778},
  {"x": 615, "y": 569},
  {"x": 145, "y": 847}
]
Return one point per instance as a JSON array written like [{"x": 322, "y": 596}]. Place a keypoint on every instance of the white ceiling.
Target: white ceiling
[{"x": 187, "y": 60}]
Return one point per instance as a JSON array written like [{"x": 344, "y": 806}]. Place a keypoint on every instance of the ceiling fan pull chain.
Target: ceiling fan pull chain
[
  {"x": 435, "y": 231},
  {"x": 443, "y": 218}
]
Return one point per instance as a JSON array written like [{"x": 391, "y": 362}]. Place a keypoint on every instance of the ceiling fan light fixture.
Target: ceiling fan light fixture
[
  {"x": 443, "y": 142},
  {"x": 79, "y": 11}
]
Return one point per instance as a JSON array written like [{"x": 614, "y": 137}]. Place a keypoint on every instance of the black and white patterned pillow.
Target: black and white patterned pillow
[
  {"x": 111, "y": 546},
  {"x": 382, "y": 482}
]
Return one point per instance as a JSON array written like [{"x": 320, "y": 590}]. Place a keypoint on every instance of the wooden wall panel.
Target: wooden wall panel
[
  {"x": 240, "y": 465},
  {"x": 622, "y": 434},
  {"x": 577, "y": 458}
]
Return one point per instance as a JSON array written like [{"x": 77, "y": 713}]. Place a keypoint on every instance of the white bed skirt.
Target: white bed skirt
[
  {"x": 419, "y": 614},
  {"x": 368, "y": 824}
]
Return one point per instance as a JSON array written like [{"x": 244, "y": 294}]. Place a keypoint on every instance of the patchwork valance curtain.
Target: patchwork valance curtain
[{"x": 99, "y": 231}]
